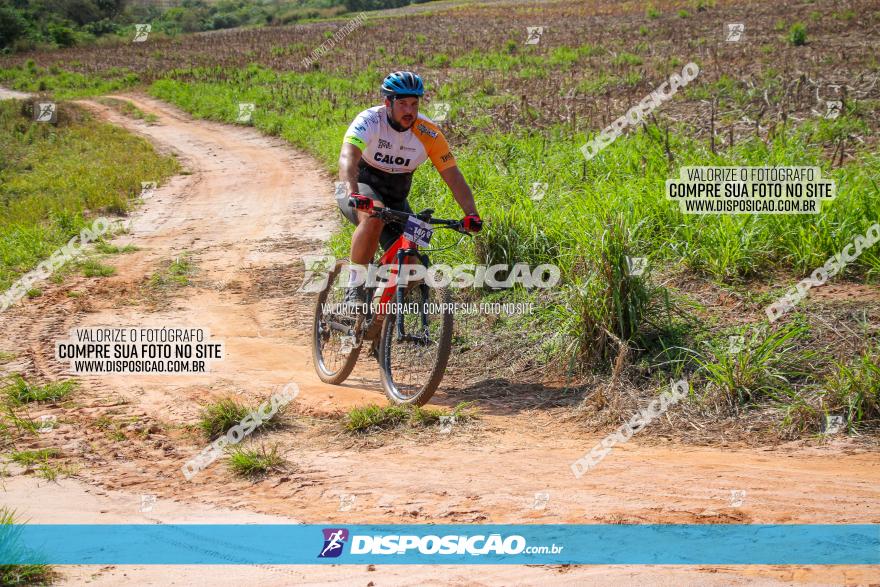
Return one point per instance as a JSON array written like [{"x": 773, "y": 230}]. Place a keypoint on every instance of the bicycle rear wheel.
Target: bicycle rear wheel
[
  {"x": 335, "y": 348},
  {"x": 412, "y": 359}
]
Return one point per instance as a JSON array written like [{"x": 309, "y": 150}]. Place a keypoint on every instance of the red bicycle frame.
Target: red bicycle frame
[{"x": 390, "y": 258}]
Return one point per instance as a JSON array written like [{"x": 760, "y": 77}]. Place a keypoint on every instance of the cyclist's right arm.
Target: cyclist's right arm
[
  {"x": 357, "y": 137},
  {"x": 349, "y": 158}
]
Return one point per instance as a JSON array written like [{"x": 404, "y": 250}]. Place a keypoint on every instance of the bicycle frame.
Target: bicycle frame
[{"x": 396, "y": 256}]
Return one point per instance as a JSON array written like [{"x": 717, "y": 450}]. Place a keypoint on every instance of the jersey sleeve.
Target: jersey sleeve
[
  {"x": 440, "y": 154},
  {"x": 361, "y": 130}
]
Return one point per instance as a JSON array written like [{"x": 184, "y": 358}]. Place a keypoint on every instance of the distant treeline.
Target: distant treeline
[{"x": 45, "y": 24}]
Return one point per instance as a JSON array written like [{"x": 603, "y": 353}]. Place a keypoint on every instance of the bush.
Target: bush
[
  {"x": 612, "y": 305},
  {"x": 225, "y": 21},
  {"x": 12, "y": 26},
  {"x": 102, "y": 27},
  {"x": 797, "y": 34},
  {"x": 62, "y": 36},
  {"x": 363, "y": 5}
]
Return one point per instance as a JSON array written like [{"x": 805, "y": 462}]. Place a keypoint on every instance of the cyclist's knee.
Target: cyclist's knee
[{"x": 371, "y": 223}]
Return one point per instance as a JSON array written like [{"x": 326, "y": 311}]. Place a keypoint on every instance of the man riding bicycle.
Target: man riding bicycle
[{"x": 380, "y": 151}]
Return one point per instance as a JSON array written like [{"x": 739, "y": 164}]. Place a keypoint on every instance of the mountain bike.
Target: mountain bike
[{"x": 409, "y": 330}]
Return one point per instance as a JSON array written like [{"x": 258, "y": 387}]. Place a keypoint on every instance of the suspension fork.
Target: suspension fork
[{"x": 425, "y": 295}]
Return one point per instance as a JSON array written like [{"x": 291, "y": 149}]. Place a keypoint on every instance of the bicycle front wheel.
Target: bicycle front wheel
[
  {"x": 335, "y": 347},
  {"x": 414, "y": 345}
]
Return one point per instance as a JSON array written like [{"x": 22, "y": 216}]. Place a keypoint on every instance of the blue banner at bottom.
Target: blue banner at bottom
[{"x": 688, "y": 544}]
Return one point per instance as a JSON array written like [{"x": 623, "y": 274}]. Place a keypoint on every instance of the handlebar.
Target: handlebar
[{"x": 398, "y": 216}]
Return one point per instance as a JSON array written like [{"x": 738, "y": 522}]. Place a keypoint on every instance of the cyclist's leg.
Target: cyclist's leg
[
  {"x": 393, "y": 231},
  {"x": 365, "y": 239}
]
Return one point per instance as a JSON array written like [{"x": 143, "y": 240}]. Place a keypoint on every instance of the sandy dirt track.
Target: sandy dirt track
[{"x": 246, "y": 211}]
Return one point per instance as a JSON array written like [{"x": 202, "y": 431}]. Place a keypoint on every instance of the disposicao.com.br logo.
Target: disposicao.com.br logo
[
  {"x": 319, "y": 267},
  {"x": 403, "y": 544}
]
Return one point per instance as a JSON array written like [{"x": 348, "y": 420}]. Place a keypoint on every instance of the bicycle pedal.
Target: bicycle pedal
[{"x": 348, "y": 344}]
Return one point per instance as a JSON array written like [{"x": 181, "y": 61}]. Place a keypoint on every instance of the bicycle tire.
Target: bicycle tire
[
  {"x": 325, "y": 374},
  {"x": 444, "y": 341}
]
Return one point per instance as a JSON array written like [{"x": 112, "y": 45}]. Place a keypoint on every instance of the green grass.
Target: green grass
[
  {"x": 40, "y": 462},
  {"x": 625, "y": 58},
  {"x": 66, "y": 85},
  {"x": 19, "y": 391},
  {"x": 248, "y": 462},
  {"x": 797, "y": 34},
  {"x": 764, "y": 368},
  {"x": 22, "y": 424},
  {"x": 173, "y": 274},
  {"x": 107, "y": 249},
  {"x": 570, "y": 227},
  {"x": 113, "y": 430},
  {"x": 50, "y": 175},
  {"x": 372, "y": 418},
  {"x": 598, "y": 84},
  {"x": 50, "y": 472},
  {"x": 94, "y": 268},
  {"x": 376, "y": 417},
  {"x": 128, "y": 109},
  {"x": 854, "y": 389},
  {"x": 219, "y": 416},
  {"x": 29, "y": 458},
  {"x": 19, "y": 574}
]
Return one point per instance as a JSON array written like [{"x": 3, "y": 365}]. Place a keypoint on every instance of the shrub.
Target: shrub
[
  {"x": 62, "y": 35},
  {"x": 797, "y": 34}
]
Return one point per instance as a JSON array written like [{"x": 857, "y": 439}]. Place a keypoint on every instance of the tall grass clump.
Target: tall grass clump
[
  {"x": 11, "y": 549},
  {"x": 854, "y": 389},
  {"x": 764, "y": 368}
]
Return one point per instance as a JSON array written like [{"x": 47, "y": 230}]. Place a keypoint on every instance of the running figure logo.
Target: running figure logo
[{"x": 334, "y": 540}]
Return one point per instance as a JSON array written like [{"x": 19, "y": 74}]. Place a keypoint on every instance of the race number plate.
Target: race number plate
[{"x": 418, "y": 231}]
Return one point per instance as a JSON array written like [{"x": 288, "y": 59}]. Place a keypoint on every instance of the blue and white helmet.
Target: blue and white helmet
[{"x": 402, "y": 84}]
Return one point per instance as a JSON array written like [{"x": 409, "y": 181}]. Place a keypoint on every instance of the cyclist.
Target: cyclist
[{"x": 380, "y": 151}]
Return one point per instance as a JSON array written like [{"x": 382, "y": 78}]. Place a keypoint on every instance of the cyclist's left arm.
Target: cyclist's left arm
[
  {"x": 443, "y": 160},
  {"x": 461, "y": 191}
]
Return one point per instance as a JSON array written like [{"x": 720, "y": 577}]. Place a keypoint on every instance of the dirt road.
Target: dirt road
[{"x": 245, "y": 212}]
